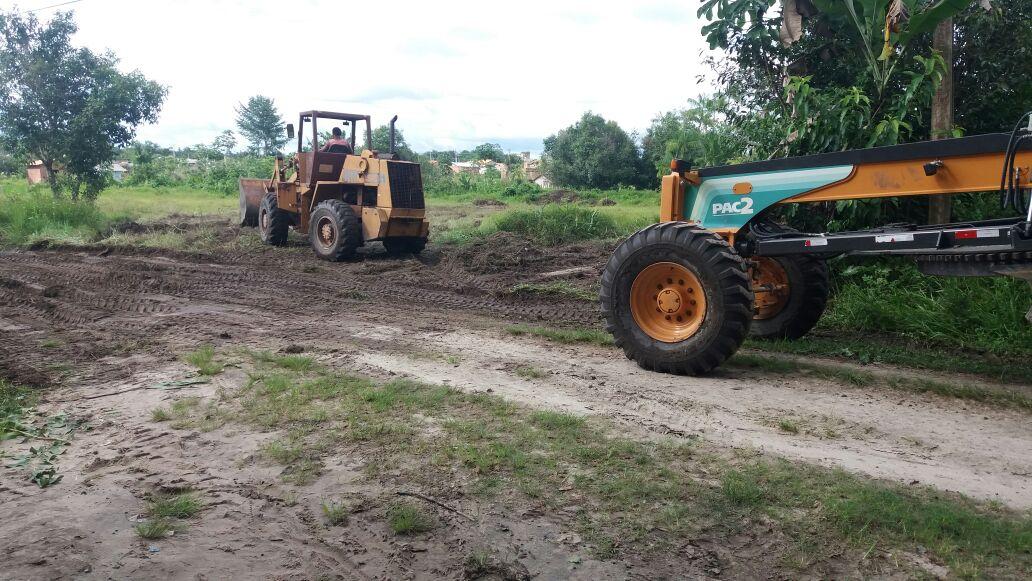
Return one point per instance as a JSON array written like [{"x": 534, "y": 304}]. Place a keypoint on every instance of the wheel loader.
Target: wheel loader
[
  {"x": 681, "y": 296},
  {"x": 340, "y": 200}
]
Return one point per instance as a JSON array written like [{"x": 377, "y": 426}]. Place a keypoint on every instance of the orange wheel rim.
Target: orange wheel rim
[
  {"x": 770, "y": 285},
  {"x": 326, "y": 232},
  {"x": 667, "y": 302}
]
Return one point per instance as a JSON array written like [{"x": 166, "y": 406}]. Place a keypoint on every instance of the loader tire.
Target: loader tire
[
  {"x": 404, "y": 245},
  {"x": 273, "y": 222},
  {"x": 334, "y": 231},
  {"x": 676, "y": 298},
  {"x": 791, "y": 293}
]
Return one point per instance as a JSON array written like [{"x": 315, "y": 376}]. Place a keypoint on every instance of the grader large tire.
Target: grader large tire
[
  {"x": 404, "y": 245},
  {"x": 334, "y": 231},
  {"x": 273, "y": 223},
  {"x": 677, "y": 298},
  {"x": 791, "y": 293}
]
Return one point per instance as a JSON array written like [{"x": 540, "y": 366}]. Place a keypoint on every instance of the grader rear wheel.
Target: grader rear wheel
[
  {"x": 791, "y": 293},
  {"x": 676, "y": 298}
]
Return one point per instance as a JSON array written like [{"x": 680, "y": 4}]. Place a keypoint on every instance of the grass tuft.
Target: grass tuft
[
  {"x": 407, "y": 519},
  {"x": 153, "y": 529},
  {"x": 336, "y": 513},
  {"x": 787, "y": 425},
  {"x": 204, "y": 360},
  {"x": 182, "y": 505},
  {"x": 530, "y": 372}
]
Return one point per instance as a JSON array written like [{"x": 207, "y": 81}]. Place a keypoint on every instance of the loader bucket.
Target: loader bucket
[{"x": 251, "y": 193}]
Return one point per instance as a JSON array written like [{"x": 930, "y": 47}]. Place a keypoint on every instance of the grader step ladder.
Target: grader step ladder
[{"x": 681, "y": 296}]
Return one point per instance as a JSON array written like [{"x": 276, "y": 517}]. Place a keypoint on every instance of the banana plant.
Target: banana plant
[{"x": 886, "y": 28}]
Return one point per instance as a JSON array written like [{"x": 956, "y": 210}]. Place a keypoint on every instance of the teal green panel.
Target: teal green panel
[{"x": 715, "y": 206}]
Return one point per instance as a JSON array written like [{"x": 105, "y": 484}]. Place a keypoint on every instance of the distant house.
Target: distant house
[
  {"x": 118, "y": 171},
  {"x": 533, "y": 171},
  {"x": 37, "y": 173},
  {"x": 480, "y": 167}
]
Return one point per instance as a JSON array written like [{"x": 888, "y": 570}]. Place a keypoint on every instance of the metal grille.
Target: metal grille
[{"x": 406, "y": 185}]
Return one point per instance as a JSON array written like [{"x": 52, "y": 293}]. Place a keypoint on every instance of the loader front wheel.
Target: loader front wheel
[
  {"x": 677, "y": 298},
  {"x": 791, "y": 293},
  {"x": 404, "y": 245},
  {"x": 273, "y": 222},
  {"x": 334, "y": 231}
]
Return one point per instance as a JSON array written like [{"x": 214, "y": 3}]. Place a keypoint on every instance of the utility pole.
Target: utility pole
[{"x": 939, "y": 206}]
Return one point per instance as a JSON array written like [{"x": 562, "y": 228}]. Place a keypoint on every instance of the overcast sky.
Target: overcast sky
[{"x": 456, "y": 73}]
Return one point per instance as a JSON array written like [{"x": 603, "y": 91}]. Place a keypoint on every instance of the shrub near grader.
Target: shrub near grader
[
  {"x": 339, "y": 199},
  {"x": 682, "y": 295}
]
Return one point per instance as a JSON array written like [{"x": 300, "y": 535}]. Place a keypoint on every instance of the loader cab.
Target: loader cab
[{"x": 315, "y": 166}]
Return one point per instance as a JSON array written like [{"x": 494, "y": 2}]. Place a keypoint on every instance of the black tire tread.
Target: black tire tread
[
  {"x": 732, "y": 276},
  {"x": 279, "y": 222},
  {"x": 350, "y": 230}
]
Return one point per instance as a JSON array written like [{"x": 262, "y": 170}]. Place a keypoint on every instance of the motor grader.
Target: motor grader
[
  {"x": 682, "y": 295},
  {"x": 340, "y": 200}
]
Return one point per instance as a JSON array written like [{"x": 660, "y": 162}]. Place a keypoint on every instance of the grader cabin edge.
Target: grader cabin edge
[{"x": 339, "y": 199}]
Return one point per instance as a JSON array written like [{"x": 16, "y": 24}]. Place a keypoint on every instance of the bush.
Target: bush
[
  {"x": 894, "y": 297},
  {"x": 558, "y": 224},
  {"x": 219, "y": 176},
  {"x": 36, "y": 214}
]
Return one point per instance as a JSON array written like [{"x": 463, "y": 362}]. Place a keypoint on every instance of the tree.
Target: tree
[
  {"x": 699, "y": 133},
  {"x": 261, "y": 125},
  {"x": 382, "y": 142},
  {"x": 67, "y": 106},
  {"x": 492, "y": 151},
  {"x": 225, "y": 142},
  {"x": 592, "y": 153}
]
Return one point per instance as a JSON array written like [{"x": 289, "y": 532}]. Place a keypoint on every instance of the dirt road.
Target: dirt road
[{"x": 122, "y": 318}]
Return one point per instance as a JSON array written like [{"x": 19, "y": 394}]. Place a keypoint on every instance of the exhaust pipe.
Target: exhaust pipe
[{"x": 393, "y": 120}]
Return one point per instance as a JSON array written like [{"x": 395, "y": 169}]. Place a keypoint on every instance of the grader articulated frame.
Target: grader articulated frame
[{"x": 682, "y": 295}]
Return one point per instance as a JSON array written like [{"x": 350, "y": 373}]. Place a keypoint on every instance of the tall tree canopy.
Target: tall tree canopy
[
  {"x": 67, "y": 106},
  {"x": 261, "y": 125},
  {"x": 592, "y": 153},
  {"x": 224, "y": 142}
]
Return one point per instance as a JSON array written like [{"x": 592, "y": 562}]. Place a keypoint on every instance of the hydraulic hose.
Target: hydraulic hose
[{"x": 1010, "y": 194}]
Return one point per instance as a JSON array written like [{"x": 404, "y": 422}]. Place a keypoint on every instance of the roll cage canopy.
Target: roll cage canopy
[{"x": 351, "y": 120}]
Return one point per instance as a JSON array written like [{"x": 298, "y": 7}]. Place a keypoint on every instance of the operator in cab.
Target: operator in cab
[{"x": 337, "y": 144}]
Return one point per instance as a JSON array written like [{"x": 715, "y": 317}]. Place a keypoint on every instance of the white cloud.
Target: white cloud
[{"x": 457, "y": 73}]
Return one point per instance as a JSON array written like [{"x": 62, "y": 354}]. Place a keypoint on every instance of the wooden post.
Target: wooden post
[{"x": 939, "y": 207}]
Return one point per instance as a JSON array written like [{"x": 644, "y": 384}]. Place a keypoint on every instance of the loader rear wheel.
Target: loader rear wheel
[
  {"x": 791, "y": 293},
  {"x": 273, "y": 222},
  {"x": 404, "y": 245},
  {"x": 676, "y": 298},
  {"x": 334, "y": 231}
]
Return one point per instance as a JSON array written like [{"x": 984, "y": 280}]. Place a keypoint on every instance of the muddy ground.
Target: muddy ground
[{"x": 116, "y": 321}]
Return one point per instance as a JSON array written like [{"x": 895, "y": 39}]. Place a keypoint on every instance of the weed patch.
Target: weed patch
[
  {"x": 408, "y": 519},
  {"x": 204, "y": 360},
  {"x": 153, "y": 529},
  {"x": 336, "y": 513},
  {"x": 182, "y": 505}
]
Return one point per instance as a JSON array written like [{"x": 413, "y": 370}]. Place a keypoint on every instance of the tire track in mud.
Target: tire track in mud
[{"x": 173, "y": 304}]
